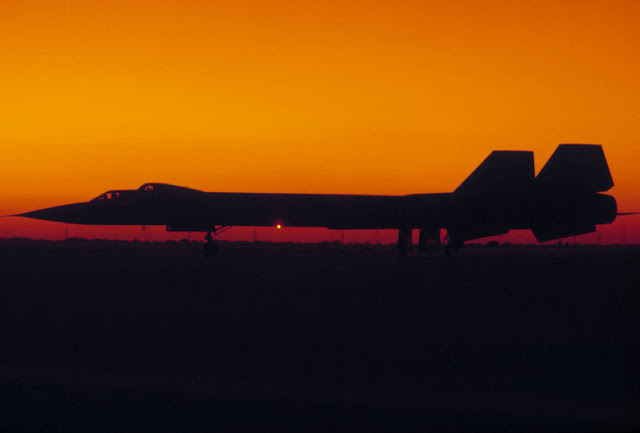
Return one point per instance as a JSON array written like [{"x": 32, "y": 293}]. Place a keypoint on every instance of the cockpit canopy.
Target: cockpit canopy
[
  {"x": 164, "y": 188},
  {"x": 147, "y": 188},
  {"x": 113, "y": 195}
]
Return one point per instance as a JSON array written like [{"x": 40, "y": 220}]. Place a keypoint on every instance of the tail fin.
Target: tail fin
[
  {"x": 581, "y": 167},
  {"x": 501, "y": 172}
]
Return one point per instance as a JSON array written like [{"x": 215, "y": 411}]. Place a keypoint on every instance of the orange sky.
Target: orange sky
[{"x": 371, "y": 97}]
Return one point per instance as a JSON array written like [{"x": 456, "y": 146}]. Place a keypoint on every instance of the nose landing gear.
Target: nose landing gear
[{"x": 210, "y": 248}]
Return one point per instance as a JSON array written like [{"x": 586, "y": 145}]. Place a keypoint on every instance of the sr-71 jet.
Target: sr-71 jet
[{"x": 503, "y": 193}]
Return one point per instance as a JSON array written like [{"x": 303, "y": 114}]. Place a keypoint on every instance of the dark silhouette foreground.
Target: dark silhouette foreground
[{"x": 107, "y": 336}]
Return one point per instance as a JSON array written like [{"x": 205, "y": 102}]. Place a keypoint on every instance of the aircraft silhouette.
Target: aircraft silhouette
[{"x": 501, "y": 194}]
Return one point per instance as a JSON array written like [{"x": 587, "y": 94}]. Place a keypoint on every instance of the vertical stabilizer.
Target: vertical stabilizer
[
  {"x": 501, "y": 172},
  {"x": 578, "y": 167}
]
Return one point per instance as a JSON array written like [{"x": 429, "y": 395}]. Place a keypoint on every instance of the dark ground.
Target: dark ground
[{"x": 104, "y": 336}]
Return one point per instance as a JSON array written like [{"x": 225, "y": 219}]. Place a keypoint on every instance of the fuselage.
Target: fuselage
[{"x": 185, "y": 209}]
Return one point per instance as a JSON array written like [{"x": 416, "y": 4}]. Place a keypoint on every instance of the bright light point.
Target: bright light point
[{"x": 278, "y": 226}]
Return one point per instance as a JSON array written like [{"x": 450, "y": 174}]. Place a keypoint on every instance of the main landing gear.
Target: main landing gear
[
  {"x": 451, "y": 246},
  {"x": 429, "y": 239},
  {"x": 405, "y": 247},
  {"x": 210, "y": 248}
]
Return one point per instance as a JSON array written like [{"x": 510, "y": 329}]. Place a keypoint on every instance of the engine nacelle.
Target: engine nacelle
[{"x": 573, "y": 215}]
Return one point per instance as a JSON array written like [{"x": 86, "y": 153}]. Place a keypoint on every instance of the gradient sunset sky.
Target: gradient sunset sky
[{"x": 358, "y": 97}]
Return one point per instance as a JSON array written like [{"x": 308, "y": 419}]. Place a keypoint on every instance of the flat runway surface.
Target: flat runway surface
[{"x": 104, "y": 336}]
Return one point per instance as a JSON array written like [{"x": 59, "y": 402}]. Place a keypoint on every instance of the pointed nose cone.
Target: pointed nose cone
[{"x": 71, "y": 213}]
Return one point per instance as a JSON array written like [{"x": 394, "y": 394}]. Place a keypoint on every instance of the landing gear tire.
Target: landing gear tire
[
  {"x": 210, "y": 249},
  {"x": 448, "y": 250},
  {"x": 452, "y": 249},
  {"x": 409, "y": 250}
]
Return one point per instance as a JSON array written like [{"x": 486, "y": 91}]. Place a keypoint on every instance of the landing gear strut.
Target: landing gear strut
[
  {"x": 210, "y": 248},
  {"x": 452, "y": 247},
  {"x": 405, "y": 247}
]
